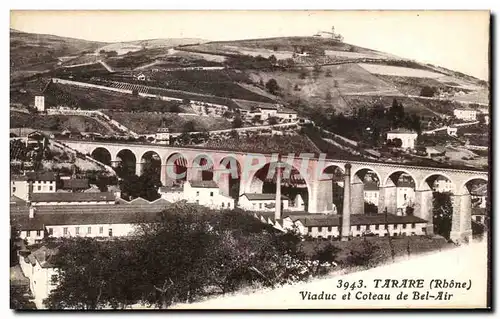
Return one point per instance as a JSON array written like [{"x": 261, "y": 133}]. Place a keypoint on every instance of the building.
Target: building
[
  {"x": 23, "y": 186},
  {"x": 442, "y": 185},
  {"x": 407, "y": 137},
  {"x": 286, "y": 114},
  {"x": 261, "y": 202},
  {"x": 371, "y": 193},
  {"x": 435, "y": 151},
  {"x": 405, "y": 195},
  {"x": 141, "y": 77},
  {"x": 39, "y": 199},
  {"x": 162, "y": 134},
  {"x": 40, "y": 103},
  {"x": 451, "y": 130},
  {"x": 478, "y": 195},
  {"x": 205, "y": 193},
  {"x": 37, "y": 266},
  {"x": 328, "y": 226},
  {"x": 478, "y": 214},
  {"x": 465, "y": 114},
  {"x": 267, "y": 111}
]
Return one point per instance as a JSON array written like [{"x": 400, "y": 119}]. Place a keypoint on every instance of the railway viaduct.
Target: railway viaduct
[{"x": 312, "y": 171}]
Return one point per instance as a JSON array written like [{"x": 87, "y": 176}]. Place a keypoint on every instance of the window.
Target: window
[
  {"x": 51, "y": 231},
  {"x": 358, "y": 227},
  {"x": 309, "y": 229},
  {"x": 211, "y": 194},
  {"x": 260, "y": 205},
  {"x": 395, "y": 225},
  {"x": 198, "y": 193},
  {"x": 39, "y": 188},
  {"x": 320, "y": 229},
  {"x": 404, "y": 226},
  {"x": 197, "y": 201},
  {"x": 110, "y": 232},
  {"x": 28, "y": 233},
  {"x": 395, "y": 234},
  {"x": 89, "y": 230},
  {"x": 65, "y": 230},
  {"x": 38, "y": 233},
  {"x": 77, "y": 230},
  {"x": 329, "y": 228},
  {"x": 329, "y": 237},
  {"x": 412, "y": 233},
  {"x": 385, "y": 235},
  {"x": 478, "y": 218},
  {"x": 13, "y": 189},
  {"x": 222, "y": 205},
  {"x": 376, "y": 227},
  {"x": 51, "y": 188},
  {"x": 413, "y": 225},
  {"x": 101, "y": 230}
]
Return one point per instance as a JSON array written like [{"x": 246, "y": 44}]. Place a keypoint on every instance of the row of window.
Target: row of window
[
  {"x": 358, "y": 235},
  {"x": 358, "y": 227},
  {"x": 38, "y": 188}
]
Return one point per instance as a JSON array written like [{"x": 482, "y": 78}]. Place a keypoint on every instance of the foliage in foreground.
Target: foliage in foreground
[{"x": 190, "y": 252}]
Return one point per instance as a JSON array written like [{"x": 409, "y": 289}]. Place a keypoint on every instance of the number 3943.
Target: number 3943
[{"x": 350, "y": 285}]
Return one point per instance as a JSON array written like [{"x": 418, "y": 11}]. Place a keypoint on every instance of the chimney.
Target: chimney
[
  {"x": 277, "y": 211},
  {"x": 31, "y": 211},
  {"x": 346, "y": 211}
]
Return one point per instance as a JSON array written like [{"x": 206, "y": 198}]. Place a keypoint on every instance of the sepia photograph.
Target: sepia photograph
[{"x": 250, "y": 160}]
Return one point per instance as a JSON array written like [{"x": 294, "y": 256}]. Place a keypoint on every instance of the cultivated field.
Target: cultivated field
[
  {"x": 398, "y": 71},
  {"x": 410, "y": 85},
  {"x": 74, "y": 123},
  {"x": 148, "y": 123},
  {"x": 411, "y": 105}
]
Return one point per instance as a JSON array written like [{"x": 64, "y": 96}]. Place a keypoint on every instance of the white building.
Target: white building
[
  {"x": 451, "y": 130},
  {"x": 478, "y": 195},
  {"x": 286, "y": 114},
  {"x": 465, "y": 114},
  {"x": 405, "y": 196},
  {"x": 23, "y": 185},
  {"x": 407, "y": 137},
  {"x": 267, "y": 111},
  {"x": 478, "y": 215},
  {"x": 442, "y": 185},
  {"x": 371, "y": 192},
  {"x": 40, "y": 103},
  {"x": 261, "y": 202},
  {"x": 40, "y": 271},
  {"x": 328, "y": 226},
  {"x": 205, "y": 193},
  {"x": 162, "y": 134}
]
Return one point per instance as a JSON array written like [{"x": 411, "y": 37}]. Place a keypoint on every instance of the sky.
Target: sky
[{"x": 457, "y": 40}]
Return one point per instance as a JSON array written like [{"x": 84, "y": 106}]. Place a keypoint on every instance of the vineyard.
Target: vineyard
[{"x": 93, "y": 99}]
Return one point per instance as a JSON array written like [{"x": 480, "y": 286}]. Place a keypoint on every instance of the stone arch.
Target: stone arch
[
  {"x": 202, "y": 167},
  {"x": 470, "y": 179},
  {"x": 128, "y": 162},
  {"x": 398, "y": 193},
  {"x": 229, "y": 182},
  {"x": 176, "y": 165},
  {"x": 360, "y": 204},
  {"x": 150, "y": 161},
  {"x": 257, "y": 180},
  {"x": 331, "y": 189},
  {"x": 424, "y": 184},
  {"x": 354, "y": 172},
  {"x": 102, "y": 155}
]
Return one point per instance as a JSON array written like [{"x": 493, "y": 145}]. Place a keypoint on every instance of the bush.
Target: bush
[{"x": 366, "y": 256}]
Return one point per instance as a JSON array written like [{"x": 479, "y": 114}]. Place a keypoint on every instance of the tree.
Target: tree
[
  {"x": 188, "y": 127},
  {"x": 328, "y": 96},
  {"x": 144, "y": 186},
  {"x": 272, "y": 121},
  {"x": 272, "y": 59},
  {"x": 237, "y": 122},
  {"x": 328, "y": 73},
  {"x": 272, "y": 86},
  {"x": 303, "y": 74},
  {"x": 427, "y": 91},
  {"x": 368, "y": 255},
  {"x": 186, "y": 102},
  {"x": 175, "y": 108},
  {"x": 397, "y": 142},
  {"x": 442, "y": 211}
]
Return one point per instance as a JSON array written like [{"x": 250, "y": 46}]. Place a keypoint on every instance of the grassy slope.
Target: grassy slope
[{"x": 49, "y": 122}]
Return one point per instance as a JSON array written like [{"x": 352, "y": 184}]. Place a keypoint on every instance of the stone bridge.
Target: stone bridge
[{"x": 314, "y": 172}]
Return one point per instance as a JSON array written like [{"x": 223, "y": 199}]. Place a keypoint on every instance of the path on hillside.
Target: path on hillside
[
  {"x": 104, "y": 64},
  {"x": 462, "y": 264}
]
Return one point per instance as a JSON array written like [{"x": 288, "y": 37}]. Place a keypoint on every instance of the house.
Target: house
[
  {"x": 478, "y": 195},
  {"x": 371, "y": 193},
  {"x": 434, "y": 151},
  {"x": 38, "y": 267},
  {"x": 329, "y": 226},
  {"x": 286, "y": 113},
  {"x": 405, "y": 194},
  {"x": 451, "y": 130},
  {"x": 162, "y": 134},
  {"x": 442, "y": 185},
  {"x": 141, "y": 77},
  {"x": 478, "y": 214},
  {"x": 103, "y": 198},
  {"x": 261, "y": 202},
  {"x": 24, "y": 185},
  {"x": 407, "y": 137},
  {"x": 205, "y": 193},
  {"x": 466, "y": 114},
  {"x": 40, "y": 103}
]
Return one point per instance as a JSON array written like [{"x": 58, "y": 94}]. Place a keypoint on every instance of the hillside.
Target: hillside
[
  {"x": 131, "y": 46},
  {"x": 30, "y": 51}
]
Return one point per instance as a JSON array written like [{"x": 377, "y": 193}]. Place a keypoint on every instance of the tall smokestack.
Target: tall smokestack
[
  {"x": 346, "y": 211},
  {"x": 277, "y": 211}
]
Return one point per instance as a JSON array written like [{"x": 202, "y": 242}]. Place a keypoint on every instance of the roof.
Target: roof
[
  {"x": 44, "y": 255},
  {"x": 268, "y": 196},
  {"x": 405, "y": 183},
  {"x": 77, "y": 183},
  {"x": 286, "y": 110},
  {"x": 204, "y": 184},
  {"x": 73, "y": 197},
  {"x": 435, "y": 149},
  {"x": 401, "y": 131},
  {"x": 18, "y": 178},
  {"x": 14, "y": 200},
  {"x": 480, "y": 190},
  {"x": 335, "y": 220},
  {"x": 45, "y": 176}
]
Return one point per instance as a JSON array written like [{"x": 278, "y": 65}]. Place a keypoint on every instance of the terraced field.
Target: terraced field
[{"x": 148, "y": 123}]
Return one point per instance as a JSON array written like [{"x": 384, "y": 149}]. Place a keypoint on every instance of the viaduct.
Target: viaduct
[{"x": 314, "y": 174}]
